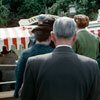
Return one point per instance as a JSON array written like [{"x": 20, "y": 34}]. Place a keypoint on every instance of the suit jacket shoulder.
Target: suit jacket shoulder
[{"x": 59, "y": 75}]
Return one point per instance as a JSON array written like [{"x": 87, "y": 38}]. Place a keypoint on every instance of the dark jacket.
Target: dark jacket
[
  {"x": 36, "y": 49},
  {"x": 61, "y": 75}
]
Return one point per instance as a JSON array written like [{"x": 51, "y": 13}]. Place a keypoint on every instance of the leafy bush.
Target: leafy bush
[
  {"x": 4, "y": 12},
  {"x": 60, "y": 5},
  {"x": 29, "y": 9},
  {"x": 86, "y": 7},
  {"x": 14, "y": 4}
]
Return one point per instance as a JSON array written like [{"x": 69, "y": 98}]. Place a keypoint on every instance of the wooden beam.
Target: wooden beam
[{"x": 7, "y": 95}]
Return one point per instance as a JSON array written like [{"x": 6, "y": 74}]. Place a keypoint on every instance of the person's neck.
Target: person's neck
[
  {"x": 63, "y": 42},
  {"x": 43, "y": 42},
  {"x": 80, "y": 28}
]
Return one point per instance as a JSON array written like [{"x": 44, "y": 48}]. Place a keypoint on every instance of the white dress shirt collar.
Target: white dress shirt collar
[{"x": 63, "y": 45}]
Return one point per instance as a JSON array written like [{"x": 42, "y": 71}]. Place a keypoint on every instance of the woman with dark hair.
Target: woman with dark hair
[
  {"x": 43, "y": 39},
  {"x": 86, "y": 43}
]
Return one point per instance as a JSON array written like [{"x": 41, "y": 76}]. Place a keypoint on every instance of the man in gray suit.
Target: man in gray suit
[{"x": 62, "y": 74}]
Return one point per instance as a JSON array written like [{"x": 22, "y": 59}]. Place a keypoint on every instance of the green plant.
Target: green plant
[
  {"x": 29, "y": 9},
  {"x": 4, "y": 12}
]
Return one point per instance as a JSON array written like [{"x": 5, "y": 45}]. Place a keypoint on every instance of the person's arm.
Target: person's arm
[
  {"x": 95, "y": 88},
  {"x": 27, "y": 91},
  {"x": 19, "y": 73}
]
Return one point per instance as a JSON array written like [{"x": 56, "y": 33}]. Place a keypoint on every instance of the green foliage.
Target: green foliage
[
  {"x": 14, "y": 4},
  {"x": 82, "y": 7},
  {"x": 29, "y": 9},
  {"x": 43, "y": 1},
  {"x": 60, "y": 5},
  {"x": 87, "y": 7},
  {"x": 4, "y": 2},
  {"x": 50, "y": 1},
  {"x": 0, "y": 2},
  {"x": 4, "y": 12},
  {"x": 19, "y": 9},
  {"x": 93, "y": 16},
  {"x": 54, "y": 9}
]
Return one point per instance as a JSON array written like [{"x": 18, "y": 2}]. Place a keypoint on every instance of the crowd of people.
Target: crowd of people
[{"x": 60, "y": 64}]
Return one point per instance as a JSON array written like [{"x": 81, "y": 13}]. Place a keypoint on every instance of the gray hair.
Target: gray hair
[{"x": 64, "y": 27}]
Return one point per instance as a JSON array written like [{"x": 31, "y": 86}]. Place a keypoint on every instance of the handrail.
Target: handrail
[
  {"x": 8, "y": 82},
  {"x": 7, "y": 66}
]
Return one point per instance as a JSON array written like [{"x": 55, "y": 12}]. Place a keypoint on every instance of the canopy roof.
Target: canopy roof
[{"x": 15, "y": 36}]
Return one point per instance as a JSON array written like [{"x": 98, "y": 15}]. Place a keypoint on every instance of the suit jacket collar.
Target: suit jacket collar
[
  {"x": 63, "y": 49},
  {"x": 63, "y": 45}
]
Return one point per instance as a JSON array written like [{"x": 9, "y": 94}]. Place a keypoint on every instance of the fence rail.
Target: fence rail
[
  {"x": 8, "y": 82},
  {"x": 7, "y": 66},
  {"x": 7, "y": 95}
]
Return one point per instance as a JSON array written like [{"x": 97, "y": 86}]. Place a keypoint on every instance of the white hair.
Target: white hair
[{"x": 64, "y": 27}]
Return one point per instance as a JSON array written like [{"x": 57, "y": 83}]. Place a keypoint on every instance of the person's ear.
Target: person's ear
[
  {"x": 74, "y": 37},
  {"x": 53, "y": 37}
]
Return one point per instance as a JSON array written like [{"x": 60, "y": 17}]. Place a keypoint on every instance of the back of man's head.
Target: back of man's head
[
  {"x": 64, "y": 27},
  {"x": 42, "y": 32}
]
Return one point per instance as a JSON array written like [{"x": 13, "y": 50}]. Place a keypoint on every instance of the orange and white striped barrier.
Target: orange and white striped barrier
[{"x": 13, "y": 36}]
